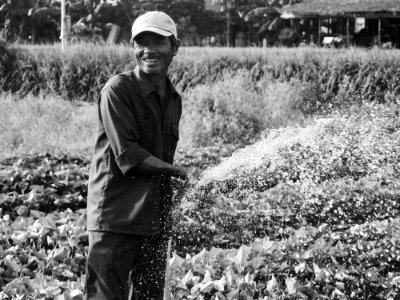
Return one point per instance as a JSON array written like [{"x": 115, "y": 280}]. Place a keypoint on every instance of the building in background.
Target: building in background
[{"x": 350, "y": 22}]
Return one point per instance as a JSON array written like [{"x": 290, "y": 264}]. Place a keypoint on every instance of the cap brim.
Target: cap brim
[{"x": 151, "y": 29}]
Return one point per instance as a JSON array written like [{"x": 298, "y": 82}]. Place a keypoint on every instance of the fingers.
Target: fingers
[
  {"x": 189, "y": 175},
  {"x": 180, "y": 173}
]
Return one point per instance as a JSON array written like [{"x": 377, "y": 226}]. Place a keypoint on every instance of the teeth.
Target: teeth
[{"x": 150, "y": 59}]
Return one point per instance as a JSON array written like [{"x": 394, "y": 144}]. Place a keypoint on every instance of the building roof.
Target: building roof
[{"x": 343, "y": 7}]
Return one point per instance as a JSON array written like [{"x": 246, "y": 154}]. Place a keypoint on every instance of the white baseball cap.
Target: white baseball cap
[{"x": 154, "y": 21}]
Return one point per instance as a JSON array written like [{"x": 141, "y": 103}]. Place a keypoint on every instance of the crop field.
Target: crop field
[{"x": 298, "y": 159}]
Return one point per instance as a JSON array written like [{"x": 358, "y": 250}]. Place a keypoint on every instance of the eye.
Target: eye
[
  {"x": 138, "y": 43},
  {"x": 159, "y": 42}
]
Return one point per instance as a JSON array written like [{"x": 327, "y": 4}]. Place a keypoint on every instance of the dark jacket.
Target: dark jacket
[{"x": 132, "y": 125}]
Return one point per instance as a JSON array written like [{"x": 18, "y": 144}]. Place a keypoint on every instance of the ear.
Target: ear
[{"x": 175, "y": 47}]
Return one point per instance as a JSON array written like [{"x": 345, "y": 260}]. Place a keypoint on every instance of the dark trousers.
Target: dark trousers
[{"x": 125, "y": 267}]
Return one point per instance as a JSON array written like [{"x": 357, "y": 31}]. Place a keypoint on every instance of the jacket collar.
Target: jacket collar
[{"x": 146, "y": 87}]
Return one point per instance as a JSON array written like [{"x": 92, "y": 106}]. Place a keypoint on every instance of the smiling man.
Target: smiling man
[{"x": 129, "y": 193}]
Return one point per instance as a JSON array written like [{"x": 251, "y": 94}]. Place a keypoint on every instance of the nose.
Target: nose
[{"x": 148, "y": 49}]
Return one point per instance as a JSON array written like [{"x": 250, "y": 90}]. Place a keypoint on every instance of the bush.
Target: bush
[
  {"x": 235, "y": 109},
  {"x": 35, "y": 125}
]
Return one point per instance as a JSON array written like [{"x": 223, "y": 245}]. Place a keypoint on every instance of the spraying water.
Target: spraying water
[{"x": 267, "y": 149}]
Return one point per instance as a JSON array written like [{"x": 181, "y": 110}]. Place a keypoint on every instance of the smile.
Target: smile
[{"x": 150, "y": 60}]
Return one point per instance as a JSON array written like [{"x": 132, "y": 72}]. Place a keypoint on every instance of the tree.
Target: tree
[
  {"x": 259, "y": 18},
  {"x": 237, "y": 15},
  {"x": 193, "y": 20}
]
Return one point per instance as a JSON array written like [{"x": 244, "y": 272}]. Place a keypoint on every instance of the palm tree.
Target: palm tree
[{"x": 266, "y": 13}]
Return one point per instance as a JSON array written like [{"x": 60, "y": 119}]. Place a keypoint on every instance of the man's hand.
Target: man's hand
[
  {"x": 188, "y": 174},
  {"x": 188, "y": 177},
  {"x": 153, "y": 165},
  {"x": 180, "y": 172}
]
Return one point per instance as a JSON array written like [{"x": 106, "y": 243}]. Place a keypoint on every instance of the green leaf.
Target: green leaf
[
  {"x": 291, "y": 285},
  {"x": 272, "y": 284}
]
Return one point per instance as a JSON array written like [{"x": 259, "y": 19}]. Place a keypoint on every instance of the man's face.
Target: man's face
[{"x": 153, "y": 52}]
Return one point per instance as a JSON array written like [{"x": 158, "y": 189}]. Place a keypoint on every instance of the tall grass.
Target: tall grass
[
  {"x": 233, "y": 110},
  {"x": 230, "y": 95},
  {"x": 80, "y": 71},
  {"x": 37, "y": 125},
  {"x": 237, "y": 109}
]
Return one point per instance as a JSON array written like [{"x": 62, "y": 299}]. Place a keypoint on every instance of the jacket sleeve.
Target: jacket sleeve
[{"x": 121, "y": 128}]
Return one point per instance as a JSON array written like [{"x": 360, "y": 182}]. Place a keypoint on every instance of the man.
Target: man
[{"x": 129, "y": 193}]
